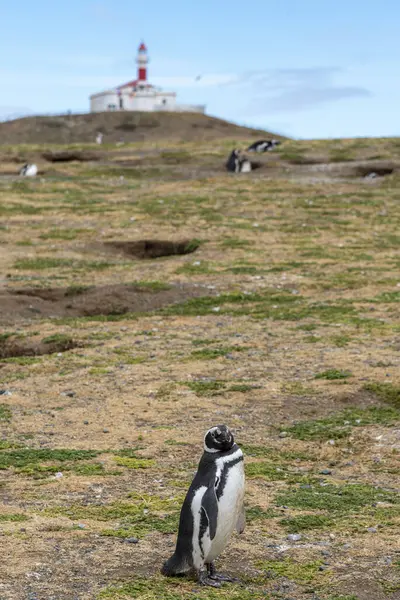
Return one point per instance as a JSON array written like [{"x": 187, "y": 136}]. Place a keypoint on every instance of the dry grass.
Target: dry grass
[{"x": 301, "y": 338}]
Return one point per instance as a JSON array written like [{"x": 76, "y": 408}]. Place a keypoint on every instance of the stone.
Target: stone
[
  {"x": 294, "y": 537},
  {"x": 132, "y": 540}
]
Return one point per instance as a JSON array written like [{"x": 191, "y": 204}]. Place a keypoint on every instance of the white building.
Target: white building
[{"x": 139, "y": 95}]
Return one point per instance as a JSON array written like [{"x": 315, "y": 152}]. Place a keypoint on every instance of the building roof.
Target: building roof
[
  {"x": 142, "y": 47},
  {"x": 134, "y": 83}
]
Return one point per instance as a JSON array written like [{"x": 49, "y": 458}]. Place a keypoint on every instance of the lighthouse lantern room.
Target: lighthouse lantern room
[{"x": 139, "y": 94}]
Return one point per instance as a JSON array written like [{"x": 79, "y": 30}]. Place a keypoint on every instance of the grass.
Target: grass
[
  {"x": 340, "y": 425},
  {"x": 386, "y": 392},
  {"x": 302, "y": 573},
  {"x": 155, "y": 588},
  {"x": 13, "y": 518},
  {"x": 46, "y": 262},
  {"x": 29, "y": 456},
  {"x": 311, "y": 290},
  {"x": 5, "y": 412},
  {"x": 342, "y": 499},
  {"x": 333, "y": 374}
]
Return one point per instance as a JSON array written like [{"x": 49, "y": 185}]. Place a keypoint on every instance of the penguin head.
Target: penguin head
[{"x": 218, "y": 439}]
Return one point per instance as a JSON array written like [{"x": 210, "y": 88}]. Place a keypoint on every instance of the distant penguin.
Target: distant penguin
[
  {"x": 213, "y": 507},
  {"x": 237, "y": 163},
  {"x": 99, "y": 138},
  {"x": 29, "y": 170},
  {"x": 263, "y": 146}
]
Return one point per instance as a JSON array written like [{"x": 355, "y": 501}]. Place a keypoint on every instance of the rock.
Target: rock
[
  {"x": 105, "y": 430},
  {"x": 5, "y": 393},
  {"x": 81, "y": 526},
  {"x": 132, "y": 540},
  {"x": 69, "y": 394},
  {"x": 283, "y": 434},
  {"x": 325, "y": 472},
  {"x": 293, "y": 537},
  {"x": 323, "y": 567},
  {"x": 86, "y": 422},
  {"x": 372, "y": 529},
  {"x": 325, "y": 553},
  {"x": 58, "y": 475}
]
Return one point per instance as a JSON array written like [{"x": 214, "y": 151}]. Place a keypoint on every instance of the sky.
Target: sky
[{"x": 302, "y": 68}]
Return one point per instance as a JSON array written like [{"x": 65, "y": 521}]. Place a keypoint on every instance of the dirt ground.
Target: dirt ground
[{"x": 277, "y": 313}]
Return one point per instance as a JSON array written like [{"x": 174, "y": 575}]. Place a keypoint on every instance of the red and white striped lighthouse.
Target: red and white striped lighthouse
[{"x": 142, "y": 60}]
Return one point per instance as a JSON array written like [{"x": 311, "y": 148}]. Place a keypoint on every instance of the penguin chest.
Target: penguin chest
[{"x": 229, "y": 507}]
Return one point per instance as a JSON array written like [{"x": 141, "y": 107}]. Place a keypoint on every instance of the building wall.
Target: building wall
[{"x": 145, "y": 101}]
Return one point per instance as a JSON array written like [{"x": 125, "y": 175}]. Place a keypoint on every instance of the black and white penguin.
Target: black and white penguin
[
  {"x": 263, "y": 146},
  {"x": 29, "y": 170},
  {"x": 237, "y": 163},
  {"x": 212, "y": 509}
]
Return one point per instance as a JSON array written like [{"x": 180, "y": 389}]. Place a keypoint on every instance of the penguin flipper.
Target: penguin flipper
[
  {"x": 209, "y": 505},
  {"x": 241, "y": 522}
]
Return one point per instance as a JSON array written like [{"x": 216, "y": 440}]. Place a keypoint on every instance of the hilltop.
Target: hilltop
[{"x": 121, "y": 126}]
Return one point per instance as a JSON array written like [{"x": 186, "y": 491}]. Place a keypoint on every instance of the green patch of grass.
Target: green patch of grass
[
  {"x": 301, "y": 573},
  {"x": 152, "y": 286},
  {"x": 204, "y": 341},
  {"x": 296, "y": 388},
  {"x": 210, "y": 353},
  {"x": 196, "y": 267},
  {"x": 274, "y": 471},
  {"x": 134, "y": 463},
  {"x": 340, "y": 425},
  {"x": 47, "y": 262},
  {"x": 28, "y": 456},
  {"x": 307, "y": 522},
  {"x": 23, "y": 360},
  {"x": 232, "y": 242},
  {"x": 255, "y": 513},
  {"x": 5, "y": 412},
  {"x": 243, "y": 387},
  {"x": 161, "y": 588},
  {"x": 333, "y": 374},
  {"x": 15, "y": 518},
  {"x": 62, "y": 234},
  {"x": 340, "y": 341},
  {"x": 386, "y": 392},
  {"x": 339, "y": 499},
  {"x": 206, "y": 388},
  {"x": 387, "y": 297}
]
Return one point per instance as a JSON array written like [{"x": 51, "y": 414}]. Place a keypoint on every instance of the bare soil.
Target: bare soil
[{"x": 31, "y": 303}]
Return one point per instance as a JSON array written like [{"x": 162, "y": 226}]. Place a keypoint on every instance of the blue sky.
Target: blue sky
[{"x": 305, "y": 68}]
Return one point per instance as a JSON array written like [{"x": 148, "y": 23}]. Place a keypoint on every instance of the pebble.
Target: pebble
[
  {"x": 132, "y": 540},
  {"x": 325, "y": 553},
  {"x": 106, "y": 430},
  {"x": 86, "y": 422},
  {"x": 323, "y": 567},
  {"x": 5, "y": 393},
  {"x": 283, "y": 434},
  {"x": 294, "y": 537},
  {"x": 372, "y": 529},
  {"x": 69, "y": 394},
  {"x": 325, "y": 472},
  {"x": 81, "y": 526},
  {"x": 58, "y": 475}
]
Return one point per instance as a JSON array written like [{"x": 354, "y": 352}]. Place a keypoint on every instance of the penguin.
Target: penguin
[
  {"x": 263, "y": 146},
  {"x": 237, "y": 163},
  {"x": 29, "y": 170},
  {"x": 212, "y": 509}
]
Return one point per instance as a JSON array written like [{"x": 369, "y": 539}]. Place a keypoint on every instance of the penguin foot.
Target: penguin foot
[
  {"x": 205, "y": 579},
  {"x": 220, "y": 577},
  {"x": 212, "y": 574}
]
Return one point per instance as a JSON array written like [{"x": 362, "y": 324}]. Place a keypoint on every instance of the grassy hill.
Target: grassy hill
[
  {"x": 120, "y": 126},
  {"x": 268, "y": 301}
]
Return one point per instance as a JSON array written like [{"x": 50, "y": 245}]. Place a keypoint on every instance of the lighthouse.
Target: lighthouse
[
  {"x": 139, "y": 94},
  {"x": 142, "y": 61}
]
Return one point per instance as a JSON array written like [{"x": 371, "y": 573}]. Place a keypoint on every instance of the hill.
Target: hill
[{"x": 121, "y": 126}]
